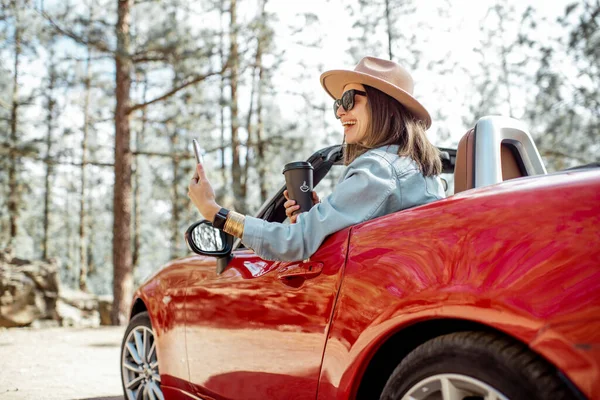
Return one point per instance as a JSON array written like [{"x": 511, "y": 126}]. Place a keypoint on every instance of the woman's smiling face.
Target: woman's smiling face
[{"x": 356, "y": 120}]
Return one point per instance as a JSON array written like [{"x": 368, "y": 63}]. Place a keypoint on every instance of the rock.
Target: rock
[
  {"x": 20, "y": 303},
  {"x": 28, "y": 290},
  {"x": 6, "y": 255},
  {"x": 30, "y": 295},
  {"x": 78, "y": 299},
  {"x": 78, "y": 309},
  {"x": 105, "y": 307},
  {"x": 75, "y": 317},
  {"x": 44, "y": 324}
]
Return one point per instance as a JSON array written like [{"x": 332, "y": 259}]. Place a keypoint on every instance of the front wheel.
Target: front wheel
[
  {"x": 474, "y": 366},
  {"x": 139, "y": 362}
]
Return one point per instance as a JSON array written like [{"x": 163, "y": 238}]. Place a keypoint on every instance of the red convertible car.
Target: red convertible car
[{"x": 491, "y": 293}]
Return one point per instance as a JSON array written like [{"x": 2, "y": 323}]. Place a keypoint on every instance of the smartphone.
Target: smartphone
[{"x": 198, "y": 151}]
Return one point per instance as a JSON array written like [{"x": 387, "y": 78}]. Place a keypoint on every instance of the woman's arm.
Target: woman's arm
[{"x": 366, "y": 185}]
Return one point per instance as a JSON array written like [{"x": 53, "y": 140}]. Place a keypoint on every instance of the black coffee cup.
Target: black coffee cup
[{"x": 299, "y": 182}]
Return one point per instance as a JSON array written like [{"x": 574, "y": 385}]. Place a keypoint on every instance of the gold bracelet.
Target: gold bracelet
[{"x": 234, "y": 224}]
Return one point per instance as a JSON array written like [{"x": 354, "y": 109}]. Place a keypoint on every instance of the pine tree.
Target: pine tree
[
  {"x": 161, "y": 48},
  {"x": 503, "y": 65},
  {"x": 383, "y": 33},
  {"x": 13, "y": 157},
  {"x": 18, "y": 25},
  {"x": 565, "y": 116}
]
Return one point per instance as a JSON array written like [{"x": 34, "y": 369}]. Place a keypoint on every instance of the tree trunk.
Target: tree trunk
[
  {"x": 260, "y": 144},
  {"x": 260, "y": 140},
  {"x": 506, "y": 78},
  {"x": 389, "y": 28},
  {"x": 221, "y": 193},
  {"x": 123, "y": 274},
  {"x": 83, "y": 265},
  {"x": 13, "y": 197},
  {"x": 49, "y": 126},
  {"x": 174, "y": 197},
  {"x": 236, "y": 169},
  {"x": 249, "y": 130},
  {"x": 66, "y": 228},
  {"x": 504, "y": 53},
  {"x": 137, "y": 224}
]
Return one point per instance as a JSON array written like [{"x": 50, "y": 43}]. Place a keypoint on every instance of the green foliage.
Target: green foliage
[{"x": 566, "y": 111}]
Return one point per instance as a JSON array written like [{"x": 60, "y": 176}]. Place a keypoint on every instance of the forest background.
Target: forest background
[{"x": 99, "y": 101}]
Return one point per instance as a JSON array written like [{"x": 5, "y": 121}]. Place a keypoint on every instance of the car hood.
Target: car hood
[{"x": 194, "y": 262}]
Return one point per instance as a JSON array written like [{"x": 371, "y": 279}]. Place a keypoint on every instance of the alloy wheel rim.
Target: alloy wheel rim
[
  {"x": 452, "y": 387},
  {"x": 139, "y": 366}
]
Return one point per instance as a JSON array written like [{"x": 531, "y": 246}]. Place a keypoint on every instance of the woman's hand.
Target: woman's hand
[
  {"x": 291, "y": 207},
  {"x": 202, "y": 194}
]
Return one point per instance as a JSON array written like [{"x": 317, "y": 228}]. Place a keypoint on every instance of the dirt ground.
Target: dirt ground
[{"x": 60, "y": 364}]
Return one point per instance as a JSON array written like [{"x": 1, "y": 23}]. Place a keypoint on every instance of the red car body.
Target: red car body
[{"x": 521, "y": 258}]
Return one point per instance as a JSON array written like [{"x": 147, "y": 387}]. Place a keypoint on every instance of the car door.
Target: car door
[{"x": 258, "y": 330}]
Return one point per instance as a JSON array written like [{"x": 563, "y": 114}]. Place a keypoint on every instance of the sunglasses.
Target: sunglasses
[{"x": 347, "y": 100}]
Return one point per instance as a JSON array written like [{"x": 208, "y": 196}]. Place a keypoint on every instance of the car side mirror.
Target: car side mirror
[{"x": 203, "y": 238}]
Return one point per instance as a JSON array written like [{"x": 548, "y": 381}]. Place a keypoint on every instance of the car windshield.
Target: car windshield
[{"x": 448, "y": 181}]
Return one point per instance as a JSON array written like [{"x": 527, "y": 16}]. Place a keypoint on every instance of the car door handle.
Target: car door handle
[{"x": 306, "y": 270}]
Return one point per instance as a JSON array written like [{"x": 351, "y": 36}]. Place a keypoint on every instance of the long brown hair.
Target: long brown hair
[{"x": 392, "y": 123}]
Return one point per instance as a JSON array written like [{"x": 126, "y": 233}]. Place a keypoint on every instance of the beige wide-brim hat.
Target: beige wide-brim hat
[{"x": 387, "y": 76}]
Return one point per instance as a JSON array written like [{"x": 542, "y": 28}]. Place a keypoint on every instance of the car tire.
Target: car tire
[
  {"x": 473, "y": 365},
  {"x": 139, "y": 362}
]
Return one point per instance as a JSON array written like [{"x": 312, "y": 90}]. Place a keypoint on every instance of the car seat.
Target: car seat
[{"x": 495, "y": 150}]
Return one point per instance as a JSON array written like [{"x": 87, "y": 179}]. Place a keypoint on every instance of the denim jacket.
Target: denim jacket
[{"x": 376, "y": 183}]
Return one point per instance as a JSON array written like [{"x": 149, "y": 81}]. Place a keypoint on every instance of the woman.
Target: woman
[{"x": 391, "y": 165}]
